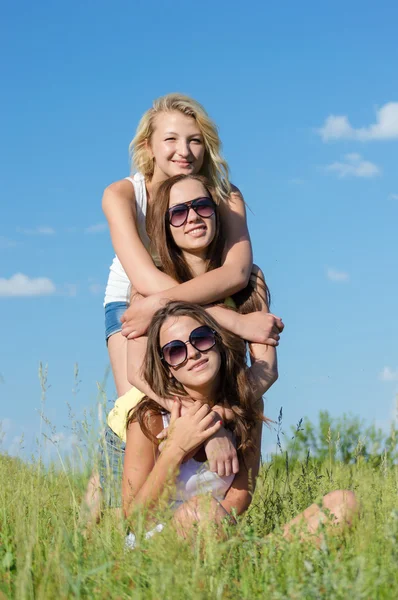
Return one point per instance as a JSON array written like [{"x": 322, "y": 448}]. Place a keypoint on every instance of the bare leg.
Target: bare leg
[
  {"x": 341, "y": 508},
  {"x": 198, "y": 511},
  {"x": 117, "y": 348}
]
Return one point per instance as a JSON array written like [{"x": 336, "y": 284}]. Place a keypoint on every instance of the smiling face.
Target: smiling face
[
  {"x": 197, "y": 233},
  {"x": 199, "y": 373},
  {"x": 176, "y": 145}
]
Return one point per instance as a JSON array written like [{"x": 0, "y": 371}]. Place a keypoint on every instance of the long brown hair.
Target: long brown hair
[
  {"x": 250, "y": 299},
  {"x": 158, "y": 227},
  {"x": 234, "y": 389}
]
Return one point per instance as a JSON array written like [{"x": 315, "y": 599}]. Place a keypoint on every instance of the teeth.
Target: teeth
[{"x": 196, "y": 230}]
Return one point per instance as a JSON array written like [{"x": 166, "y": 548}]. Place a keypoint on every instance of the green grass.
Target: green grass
[{"x": 44, "y": 554}]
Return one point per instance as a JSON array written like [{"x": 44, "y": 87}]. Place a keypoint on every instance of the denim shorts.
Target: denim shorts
[
  {"x": 113, "y": 313},
  {"x": 111, "y": 468}
]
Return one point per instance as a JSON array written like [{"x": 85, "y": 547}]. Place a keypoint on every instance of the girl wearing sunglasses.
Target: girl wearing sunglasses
[
  {"x": 189, "y": 354},
  {"x": 188, "y": 237}
]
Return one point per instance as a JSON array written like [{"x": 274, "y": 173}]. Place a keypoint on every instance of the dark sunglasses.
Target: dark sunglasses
[
  {"x": 176, "y": 352},
  {"x": 178, "y": 214}
]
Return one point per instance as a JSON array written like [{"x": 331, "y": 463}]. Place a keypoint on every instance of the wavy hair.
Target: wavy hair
[
  {"x": 234, "y": 389},
  {"x": 249, "y": 299},
  {"x": 215, "y": 168}
]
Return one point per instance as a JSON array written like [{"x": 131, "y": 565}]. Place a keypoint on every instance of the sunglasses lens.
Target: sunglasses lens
[
  {"x": 204, "y": 208},
  {"x": 202, "y": 338},
  {"x": 175, "y": 353},
  {"x": 178, "y": 215}
]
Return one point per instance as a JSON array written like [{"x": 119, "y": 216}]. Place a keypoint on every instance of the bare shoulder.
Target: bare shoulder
[
  {"x": 118, "y": 193},
  {"x": 122, "y": 187},
  {"x": 235, "y": 195}
]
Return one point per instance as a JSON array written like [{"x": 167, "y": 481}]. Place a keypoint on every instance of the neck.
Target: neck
[
  {"x": 205, "y": 393},
  {"x": 157, "y": 178},
  {"x": 196, "y": 261}
]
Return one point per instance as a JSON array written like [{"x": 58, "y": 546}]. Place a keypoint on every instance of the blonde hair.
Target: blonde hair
[{"x": 214, "y": 167}]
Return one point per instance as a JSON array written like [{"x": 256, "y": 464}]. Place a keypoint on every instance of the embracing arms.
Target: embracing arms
[{"x": 145, "y": 476}]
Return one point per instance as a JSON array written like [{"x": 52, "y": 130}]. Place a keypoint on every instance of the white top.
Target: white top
[
  {"x": 118, "y": 286},
  {"x": 195, "y": 478}
]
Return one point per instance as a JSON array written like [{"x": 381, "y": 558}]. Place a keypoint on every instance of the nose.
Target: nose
[
  {"x": 192, "y": 216},
  {"x": 183, "y": 148},
  {"x": 192, "y": 352}
]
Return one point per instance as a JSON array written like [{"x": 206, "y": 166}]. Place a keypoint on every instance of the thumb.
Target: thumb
[{"x": 163, "y": 434}]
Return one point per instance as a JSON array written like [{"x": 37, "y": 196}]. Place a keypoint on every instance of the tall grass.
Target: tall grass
[{"x": 46, "y": 554}]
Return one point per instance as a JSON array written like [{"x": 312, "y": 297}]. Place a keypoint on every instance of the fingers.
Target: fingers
[
  {"x": 213, "y": 429},
  {"x": 235, "y": 464},
  {"x": 199, "y": 410},
  {"x": 278, "y": 322},
  {"x": 221, "y": 468},
  {"x": 175, "y": 412},
  {"x": 209, "y": 420}
]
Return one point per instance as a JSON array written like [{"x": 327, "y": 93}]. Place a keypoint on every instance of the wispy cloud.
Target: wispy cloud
[
  {"x": 6, "y": 243},
  {"x": 338, "y": 127},
  {"x": 97, "y": 228},
  {"x": 353, "y": 165},
  {"x": 388, "y": 374},
  {"x": 21, "y": 285},
  {"x": 337, "y": 276},
  {"x": 69, "y": 289},
  {"x": 41, "y": 230},
  {"x": 95, "y": 288},
  {"x": 393, "y": 197}
]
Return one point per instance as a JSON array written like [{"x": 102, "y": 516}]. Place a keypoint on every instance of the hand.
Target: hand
[
  {"x": 261, "y": 328},
  {"x": 136, "y": 319},
  {"x": 221, "y": 453},
  {"x": 193, "y": 429}
]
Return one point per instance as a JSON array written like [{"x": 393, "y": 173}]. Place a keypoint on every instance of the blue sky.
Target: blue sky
[{"x": 305, "y": 96}]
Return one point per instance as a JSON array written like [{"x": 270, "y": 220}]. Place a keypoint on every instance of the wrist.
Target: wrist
[{"x": 173, "y": 453}]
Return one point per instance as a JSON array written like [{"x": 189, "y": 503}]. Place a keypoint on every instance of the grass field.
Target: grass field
[{"x": 44, "y": 554}]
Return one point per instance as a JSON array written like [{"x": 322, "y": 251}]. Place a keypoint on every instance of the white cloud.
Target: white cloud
[
  {"x": 388, "y": 374},
  {"x": 354, "y": 166},
  {"x": 338, "y": 127},
  {"x": 41, "y": 230},
  {"x": 337, "y": 276},
  {"x": 393, "y": 197},
  {"x": 21, "y": 285},
  {"x": 98, "y": 228}
]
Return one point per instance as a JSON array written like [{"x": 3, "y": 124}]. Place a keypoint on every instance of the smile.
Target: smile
[
  {"x": 199, "y": 365},
  {"x": 197, "y": 231},
  {"x": 182, "y": 163}
]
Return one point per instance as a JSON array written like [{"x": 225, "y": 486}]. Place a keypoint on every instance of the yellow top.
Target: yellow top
[{"x": 118, "y": 415}]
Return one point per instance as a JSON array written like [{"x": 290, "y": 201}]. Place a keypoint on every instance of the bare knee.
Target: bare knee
[
  {"x": 342, "y": 505},
  {"x": 193, "y": 512}
]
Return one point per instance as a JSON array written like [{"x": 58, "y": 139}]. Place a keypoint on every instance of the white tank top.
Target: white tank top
[
  {"x": 118, "y": 286},
  {"x": 195, "y": 478}
]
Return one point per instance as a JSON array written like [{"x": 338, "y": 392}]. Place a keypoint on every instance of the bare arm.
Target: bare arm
[
  {"x": 235, "y": 271},
  {"x": 239, "y": 495},
  {"x": 144, "y": 476},
  {"x": 118, "y": 204},
  {"x": 209, "y": 287}
]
